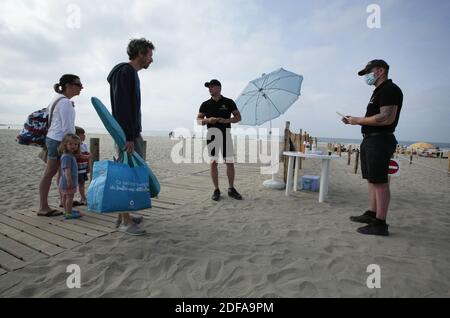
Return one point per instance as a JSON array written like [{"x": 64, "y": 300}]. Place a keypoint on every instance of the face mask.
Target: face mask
[{"x": 370, "y": 78}]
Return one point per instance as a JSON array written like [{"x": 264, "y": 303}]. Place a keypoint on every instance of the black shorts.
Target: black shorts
[
  {"x": 82, "y": 177},
  {"x": 376, "y": 152},
  {"x": 219, "y": 140}
]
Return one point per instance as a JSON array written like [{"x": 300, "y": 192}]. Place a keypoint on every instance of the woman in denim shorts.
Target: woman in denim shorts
[{"x": 62, "y": 122}]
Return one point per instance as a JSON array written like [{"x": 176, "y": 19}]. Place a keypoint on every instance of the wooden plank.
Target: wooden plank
[
  {"x": 164, "y": 206},
  {"x": 101, "y": 218},
  {"x": 107, "y": 217},
  {"x": 9, "y": 262},
  {"x": 201, "y": 172},
  {"x": 19, "y": 250},
  {"x": 43, "y": 235},
  {"x": 59, "y": 221},
  {"x": 84, "y": 210},
  {"x": 185, "y": 190},
  {"x": 110, "y": 217},
  {"x": 239, "y": 173},
  {"x": 144, "y": 215},
  {"x": 183, "y": 198},
  {"x": 31, "y": 241},
  {"x": 189, "y": 184},
  {"x": 93, "y": 226},
  {"x": 43, "y": 225},
  {"x": 193, "y": 180},
  {"x": 153, "y": 211},
  {"x": 178, "y": 189},
  {"x": 95, "y": 233},
  {"x": 93, "y": 220},
  {"x": 169, "y": 201},
  {"x": 192, "y": 185}
]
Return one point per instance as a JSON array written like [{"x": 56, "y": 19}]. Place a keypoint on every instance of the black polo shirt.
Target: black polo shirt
[
  {"x": 387, "y": 94},
  {"x": 223, "y": 108}
]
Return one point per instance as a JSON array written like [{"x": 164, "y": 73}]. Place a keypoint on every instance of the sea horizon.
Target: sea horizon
[{"x": 342, "y": 140}]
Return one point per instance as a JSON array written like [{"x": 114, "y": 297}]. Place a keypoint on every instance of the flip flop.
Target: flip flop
[{"x": 50, "y": 213}]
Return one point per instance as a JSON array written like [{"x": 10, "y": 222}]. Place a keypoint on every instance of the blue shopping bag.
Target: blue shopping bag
[{"x": 118, "y": 187}]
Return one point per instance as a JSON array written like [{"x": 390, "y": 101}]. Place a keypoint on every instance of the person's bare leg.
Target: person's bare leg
[
  {"x": 372, "y": 198},
  {"x": 383, "y": 197},
  {"x": 82, "y": 190},
  {"x": 61, "y": 196},
  {"x": 45, "y": 183},
  {"x": 126, "y": 218},
  {"x": 68, "y": 203},
  {"x": 215, "y": 175},
  {"x": 231, "y": 174},
  {"x": 63, "y": 201}
]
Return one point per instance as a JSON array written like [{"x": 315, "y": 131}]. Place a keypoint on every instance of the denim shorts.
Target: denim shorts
[{"x": 52, "y": 148}]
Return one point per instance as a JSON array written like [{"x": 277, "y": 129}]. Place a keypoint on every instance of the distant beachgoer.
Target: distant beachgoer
[
  {"x": 69, "y": 148},
  {"x": 62, "y": 122},
  {"x": 216, "y": 114},
  {"x": 83, "y": 162},
  {"x": 125, "y": 95},
  {"x": 379, "y": 144}
]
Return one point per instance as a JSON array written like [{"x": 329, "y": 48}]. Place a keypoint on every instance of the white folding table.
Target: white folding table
[{"x": 324, "y": 175}]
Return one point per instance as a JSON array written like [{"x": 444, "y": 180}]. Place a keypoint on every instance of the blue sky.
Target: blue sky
[{"x": 236, "y": 41}]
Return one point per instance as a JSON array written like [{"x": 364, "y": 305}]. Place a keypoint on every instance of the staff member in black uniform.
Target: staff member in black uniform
[
  {"x": 216, "y": 114},
  {"x": 379, "y": 144}
]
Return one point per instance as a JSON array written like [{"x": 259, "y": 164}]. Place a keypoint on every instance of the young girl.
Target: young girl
[
  {"x": 68, "y": 183},
  {"x": 83, "y": 161}
]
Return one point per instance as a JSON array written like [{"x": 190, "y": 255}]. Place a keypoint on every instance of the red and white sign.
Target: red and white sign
[{"x": 394, "y": 168}]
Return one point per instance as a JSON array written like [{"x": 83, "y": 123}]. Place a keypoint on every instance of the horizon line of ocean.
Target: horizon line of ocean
[{"x": 164, "y": 133}]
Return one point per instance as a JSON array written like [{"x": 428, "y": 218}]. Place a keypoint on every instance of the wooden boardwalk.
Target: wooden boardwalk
[{"x": 26, "y": 238}]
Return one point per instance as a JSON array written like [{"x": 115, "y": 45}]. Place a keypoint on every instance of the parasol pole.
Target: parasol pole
[
  {"x": 270, "y": 138},
  {"x": 273, "y": 183}
]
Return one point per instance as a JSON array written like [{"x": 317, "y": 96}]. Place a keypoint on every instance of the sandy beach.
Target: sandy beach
[{"x": 267, "y": 245}]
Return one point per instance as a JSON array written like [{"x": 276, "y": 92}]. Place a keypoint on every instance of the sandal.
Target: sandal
[
  {"x": 73, "y": 215},
  {"x": 50, "y": 213}
]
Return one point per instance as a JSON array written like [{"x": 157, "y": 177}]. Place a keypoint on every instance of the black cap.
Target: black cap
[
  {"x": 372, "y": 64},
  {"x": 213, "y": 82}
]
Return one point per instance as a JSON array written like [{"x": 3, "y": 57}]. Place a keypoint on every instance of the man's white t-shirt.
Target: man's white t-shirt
[{"x": 63, "y": 119}]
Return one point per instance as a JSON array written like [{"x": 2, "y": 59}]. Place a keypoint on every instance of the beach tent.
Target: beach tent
[{"x": 422, "y": 145}]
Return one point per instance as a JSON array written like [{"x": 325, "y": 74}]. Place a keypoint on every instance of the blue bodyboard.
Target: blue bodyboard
[{"x": 116, "y": 132}]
